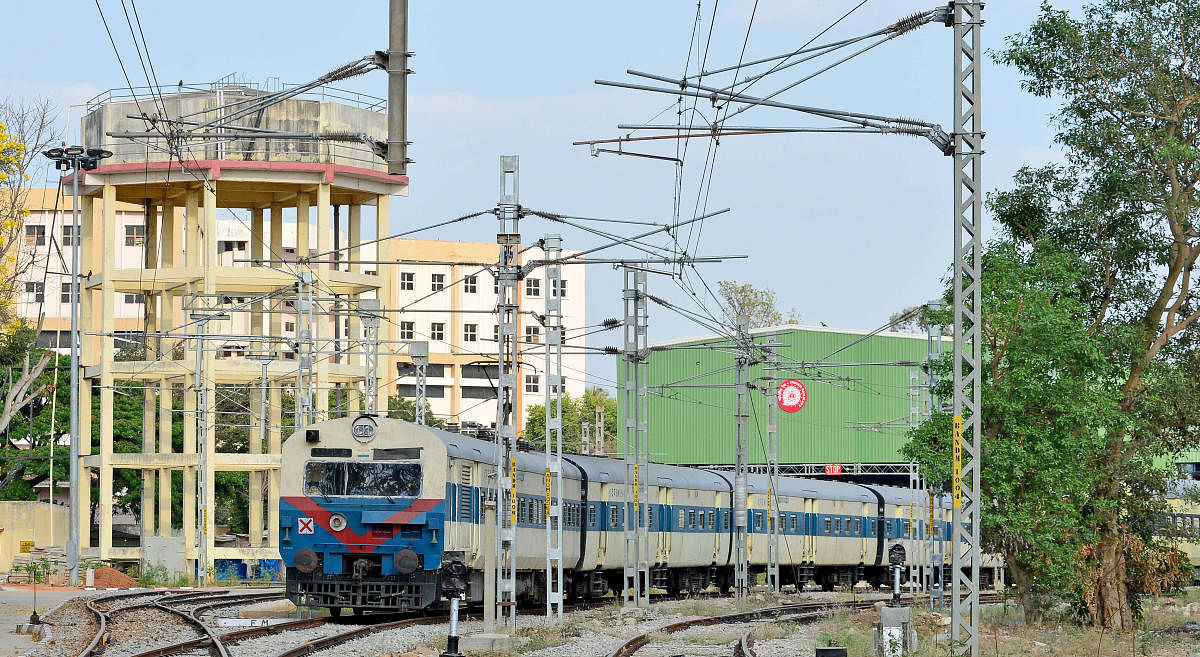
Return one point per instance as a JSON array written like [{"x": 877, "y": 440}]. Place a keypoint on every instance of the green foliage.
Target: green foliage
[
  {"x": 759, "y": 305},
  {"x": 406, "y": 409},
  {"x": 574, "y": 413}
]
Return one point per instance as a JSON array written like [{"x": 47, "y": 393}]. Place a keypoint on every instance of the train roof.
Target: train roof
[{"x": 607, "y": 470}]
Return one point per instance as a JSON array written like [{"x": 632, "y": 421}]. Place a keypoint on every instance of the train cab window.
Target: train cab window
[
  {"x": 368, "y": 479},
  {"x": 857, "y": 526},
  {"x": 828, "y": 526}
]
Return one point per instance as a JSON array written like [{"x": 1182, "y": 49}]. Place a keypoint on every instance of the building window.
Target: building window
[
  {"x": 470, "y": 332},
  {"x": 135, "y": 235},
  {"x": 135, "y": 298},
  {"x": 438, "y": 281},
  {"x": 533, "y": 287},
  {"x": 407, "y": 280},
  {"x": 471, "y": 284},
  {"x": 437, "y": 331},
  {"x": 496, "y": 333},
  {"x": 495, "y": 284},
  {"x": 66, "y": 292},
  {"x": 406, "y": 330},
  {"x": 35, "y": 235},
  {"x": 559, "y": 288},
  {"x": 35, "y": 291},
  {"x": 533, "y": 333},
  {"x": 68, "y": 235},
  {"x": 290, "y": 327},
  {"x": 531, "y": 383}
]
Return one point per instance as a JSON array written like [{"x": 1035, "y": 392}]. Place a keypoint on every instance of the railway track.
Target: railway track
[
  {"x": 744, "y": 647},
  {"x": 185, "y": 608}
]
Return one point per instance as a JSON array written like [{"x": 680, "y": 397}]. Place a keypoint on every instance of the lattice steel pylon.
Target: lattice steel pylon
[
  {"x": 741, "y": 555},
  {"x": 368, "y": 310},
  {"x": 508, "y": 271},
  {"x": 304, "y": 347},
  {"x": 419, "y": 353},
  {"x": 635, "y": 589},
  {"x": 967, "y": 22},
  {"x": 552, "y": 246},
  {"x": 772, "y": 458}
]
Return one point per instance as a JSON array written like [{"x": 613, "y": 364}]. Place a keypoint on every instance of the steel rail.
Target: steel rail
[
  {"x": 343, "y": 637},
  {"x": 102, "y": 617},
  {"x": 805, "y": 611},
  {"x": 236, "y": 636}
]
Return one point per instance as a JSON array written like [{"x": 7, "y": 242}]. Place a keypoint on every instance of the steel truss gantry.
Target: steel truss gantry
[
  {"x": 635, "y": 588},
  {"x": 967, "y": 23},
  {"x": 552, "y": 248},
  {"x": 508, "y": 272},
  {"x": 368, "y": 312}
]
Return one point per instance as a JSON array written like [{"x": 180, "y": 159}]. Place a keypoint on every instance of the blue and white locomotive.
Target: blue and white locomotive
[{"x": 373, "y": 508}]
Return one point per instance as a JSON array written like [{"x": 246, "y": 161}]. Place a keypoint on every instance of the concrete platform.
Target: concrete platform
[{"x": 474, "y": 644}]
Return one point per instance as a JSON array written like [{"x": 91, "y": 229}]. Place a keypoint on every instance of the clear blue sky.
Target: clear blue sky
[{"x": 846, "y": 229}]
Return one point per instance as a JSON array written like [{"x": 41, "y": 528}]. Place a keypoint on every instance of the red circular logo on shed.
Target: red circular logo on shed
[{"x": 791, "y": 395}]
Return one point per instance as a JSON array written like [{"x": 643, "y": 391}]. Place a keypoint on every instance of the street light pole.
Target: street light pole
[{"x": 76, "y": 159}]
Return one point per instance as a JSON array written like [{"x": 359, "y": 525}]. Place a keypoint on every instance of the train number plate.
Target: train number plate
[{"x": 304, "y": 525}]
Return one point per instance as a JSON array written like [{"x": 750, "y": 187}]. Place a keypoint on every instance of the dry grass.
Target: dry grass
[{"x": 1005, "y": 634}]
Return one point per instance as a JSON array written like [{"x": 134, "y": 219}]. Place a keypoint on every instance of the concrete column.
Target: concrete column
[
  {"x": 150, "y": 395},
  {"x": 108, "y": 229},
  {"x": 209, "y": 356},
  {"x": 89, "y": 261},
  {"x": 256, "y": 251},
  {"x": 192, "y": 227},
  {"x": 189, "y": 473},
  {"x": 83, "y": 515},
  {"x": 165, "y": 439},
  {"x": 354, "y": 236},
  {"x": 388, "y": 294},
  {"x": 274, "y": 319},
  {"x": 274, "y": 446},
  {"x": 302, "y": 224},
  {"x": 166, "y": 301},
  {"x": 457, "y": 346},
  {"x": 322, "y": 329},
  {"x": 256, "y": 479}
]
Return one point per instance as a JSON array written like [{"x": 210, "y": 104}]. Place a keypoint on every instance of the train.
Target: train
[{"x": 375, "y": 512}]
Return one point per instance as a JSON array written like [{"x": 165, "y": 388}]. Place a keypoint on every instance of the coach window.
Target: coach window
[
  {"x": 591, "y": 515},
  {"x": 837, "y": 526},
  {"x": 891, "y": 528},
  {"x": 874, "y": 527},
  {"x": 691, "y": 518},
  {"x": 612, "y": 516},
  {"x": 858, "y": 525},
  {"x": 793, "y": 522},
  {"x": 712, "y": 519},
  {"x": 828, "y": 526}
]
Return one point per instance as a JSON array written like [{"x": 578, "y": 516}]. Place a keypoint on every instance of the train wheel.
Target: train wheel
[{"x": 335, "y": 612}]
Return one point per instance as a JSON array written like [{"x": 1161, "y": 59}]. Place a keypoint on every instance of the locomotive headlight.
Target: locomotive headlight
[{"x": 337, "y": 522}]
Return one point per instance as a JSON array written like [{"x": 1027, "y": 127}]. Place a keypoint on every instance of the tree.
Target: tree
[
  {"x": 574, "y": 413},
  {"x": 26, "y": 128},
  {"x": 1126, "y": 202},
  {"x": 759, "y": 305},
  {"x": 406, "y": 409},
  {"x": 1043, "y": 377}
]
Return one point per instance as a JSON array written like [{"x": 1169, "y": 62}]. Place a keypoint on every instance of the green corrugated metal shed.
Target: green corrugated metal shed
[{"x": 694, "y": 425}]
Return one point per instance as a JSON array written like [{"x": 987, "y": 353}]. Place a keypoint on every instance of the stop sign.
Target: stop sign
[{"x": 791, "y": 395}]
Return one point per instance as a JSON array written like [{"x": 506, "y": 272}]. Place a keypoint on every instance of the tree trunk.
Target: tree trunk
[
  {"x": 1030, "y": 603},
  {"x": 1111, "y": 609}
]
